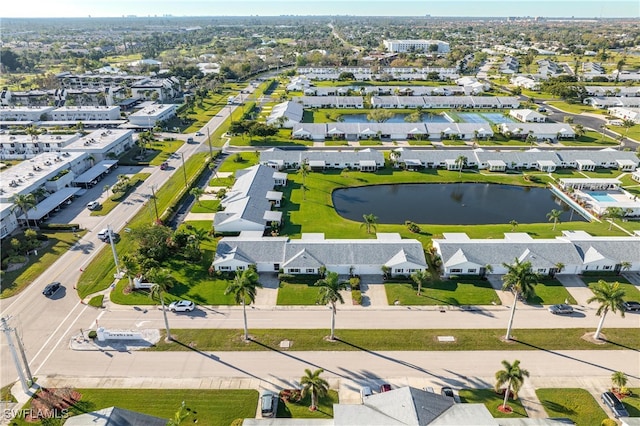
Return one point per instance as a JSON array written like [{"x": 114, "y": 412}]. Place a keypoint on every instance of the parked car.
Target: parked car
[
  {"x": 365, "y": 392},
  {"x": 617, "y": 408},
  {"x": 447, "y": 391},
  {"x": 164, "y": 166},
  {"x": 50, "y": 289},
  {"x": 631, "y": 305},
  {"x": 182, "y": 306},
  {"x": 103, "y": 234},
  {"x": 269, "y": 404},
  {"x": 199, "y": 134},
  {"x": 561, "y": 309},
  {"x": 114, "y": 235},
  {"x": 92, "y": 205},
  {"x": 385, "y": 387},
  {"x": 189, "y": 140}
]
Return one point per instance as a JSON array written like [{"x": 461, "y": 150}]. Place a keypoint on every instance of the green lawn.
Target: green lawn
[
  {"x": 492, "y": 400},
  {"x": 110, "y": 204},
  {"x": 576, "y": 404},
  {"x": 450, "y": 292},
  {"x": 13, "y": 282},
  {"x": 297, "y": 294},
  {"x": 300, "y": 410},
  {"x": 632, "y": 402},
  {"x": 419, "y": 339},
  {"x": 205, "y": 206},
  {"x": 98, "y": 275},
  {"x": 550, "y": 292},
  {"x": 205, "y": 406},
  {"x": 631, "y": 291},
  {"x": 574, "y": 108}
]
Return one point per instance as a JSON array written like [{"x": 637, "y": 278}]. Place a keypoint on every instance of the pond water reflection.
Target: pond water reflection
[{"x": 452, "y": 203}]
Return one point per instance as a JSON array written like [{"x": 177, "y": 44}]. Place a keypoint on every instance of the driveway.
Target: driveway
[
  {"x": 373, "y": 292},
  {"x": 267, "y": 296},
  {"x": 577, "y": 288}
]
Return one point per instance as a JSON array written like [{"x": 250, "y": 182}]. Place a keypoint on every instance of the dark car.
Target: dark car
[
  {"x": 115, "y": 236},
  {"x": 385, "y": 387},
  {"x": 269, "y": 404},
  {"x": 164, "y": 166},
  {"x": 561, "y": 309},
  {"x": 447, "y": 391},
  {"x": 631, "y": 306},
  {"x": 617, "y": 408},
  {"x": 50, "y": 289}
]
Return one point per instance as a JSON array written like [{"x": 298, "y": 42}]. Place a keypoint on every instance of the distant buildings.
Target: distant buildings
[
  {"x": 416, "y": 46},
  {"x": 149, "y": 116}
]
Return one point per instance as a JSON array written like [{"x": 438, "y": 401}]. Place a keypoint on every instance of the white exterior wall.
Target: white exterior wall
[
  {"x": 601, "y": 265},
  {"x": 242, "y": 224}
]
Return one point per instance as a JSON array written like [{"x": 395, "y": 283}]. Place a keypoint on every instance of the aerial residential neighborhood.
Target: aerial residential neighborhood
[{"x": 389, "y": 213}]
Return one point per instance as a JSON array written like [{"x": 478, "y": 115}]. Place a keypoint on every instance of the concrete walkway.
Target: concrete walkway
[{"x": 577, "y": 288}]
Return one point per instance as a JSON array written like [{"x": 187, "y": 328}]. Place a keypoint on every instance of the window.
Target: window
[
  {"x": 607, "y": 267},
  {"x": 276, "y": 266},
  {"x": 399, "y": 271},
  {"x": 471, "y": 271},
  {"x": 456, "y": 271},
  {"x": 294, "y": 270},
  {"x": 240, "y": 268},
  {"x": 541, "y": 270},
  {"x": 224, "y": 268},
  {"x": 310, "y": 270}
]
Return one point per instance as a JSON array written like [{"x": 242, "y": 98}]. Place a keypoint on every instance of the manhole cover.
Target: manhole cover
[{"x": 285, "y": 344}]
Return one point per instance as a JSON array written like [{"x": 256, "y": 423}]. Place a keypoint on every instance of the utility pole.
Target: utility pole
[
  {"x": 209, "y": 140},
  {"x": 24, "y": 358},
  {"x": 184, "y": 170},
  {"x": 155, "y": 204},
  {"x": 113, "y": 249},
  {"x": 14, "y": 355}
]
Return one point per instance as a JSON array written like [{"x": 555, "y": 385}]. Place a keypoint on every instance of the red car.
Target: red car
[
  {"x": 164, "y": 166},
  {"x": 385, "y": 387}
]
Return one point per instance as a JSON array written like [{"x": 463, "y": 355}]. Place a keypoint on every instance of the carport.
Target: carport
[
  {"x": 95, "y": 173},
  {"x": 51, "y": 203}
]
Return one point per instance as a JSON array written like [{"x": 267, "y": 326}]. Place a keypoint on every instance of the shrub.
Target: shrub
[
  {"x": 60, "y": 226},
  {"x": 93, "y": 334},
  {"x": 608, "y": 422},
  {"x": 354, "y": 282},
  {"x": 356, "y": 296}
]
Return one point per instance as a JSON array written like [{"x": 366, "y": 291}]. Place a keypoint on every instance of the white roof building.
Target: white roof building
[
  {"x": 286, "y": 114},
  {"x": 148, "y": 116}
]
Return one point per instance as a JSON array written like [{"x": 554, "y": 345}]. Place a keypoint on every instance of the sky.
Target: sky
[{"x": 457, "y": 8}]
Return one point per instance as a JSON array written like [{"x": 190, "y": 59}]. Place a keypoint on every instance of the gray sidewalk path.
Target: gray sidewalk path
[{"x": 577, "y": 288}]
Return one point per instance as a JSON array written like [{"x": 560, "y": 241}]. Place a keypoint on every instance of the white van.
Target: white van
[{"x": 104, "y": 234}]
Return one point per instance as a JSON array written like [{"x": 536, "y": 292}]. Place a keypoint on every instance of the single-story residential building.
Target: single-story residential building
[
  {"x": 575, "y": 251},
  {"x": 312, "y": 251},
  {"x": 540, "y": 131},
  {"x": 364, "y": 160},
  {"x": 286, "y": 114},
  {"x": 248, "y": 204},
  {"x": 527, "y": 116},
  {"x": 625, "y": 113}
]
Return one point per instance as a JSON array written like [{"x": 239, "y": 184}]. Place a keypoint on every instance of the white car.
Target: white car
[
  {"x": 182, "y": 306},
  {"x": 92, "y": 205}
]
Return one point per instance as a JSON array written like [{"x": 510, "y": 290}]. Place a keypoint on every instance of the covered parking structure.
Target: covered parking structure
[
  {"x": 95, "y": 173},
  {"x": 50, "y": 204}
]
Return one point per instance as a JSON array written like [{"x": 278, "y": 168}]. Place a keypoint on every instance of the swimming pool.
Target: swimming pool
[
  {"x": 602, "y": 197},
  {"x": 493, "y": 117}
]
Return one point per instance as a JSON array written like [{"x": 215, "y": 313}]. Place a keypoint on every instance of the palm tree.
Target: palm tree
[
  {"x": 486, "y": 269},
  {"x": 610, "y": 297},
  {"x": 131, "y": 267},
  {"x": 579, "y": 129},
  {"x": 460, "y": 162},
  {"x": 24, "y": 202},
  {"x": 613, "y": 213},
  {"x": 304, "y": 172},
  {"x": 330, "y": 288},
  {"x": 619, "y": 379},
  {"x": 624, "y": 266},
  {"x": 312, "y": 382},
  {"x": 162, "y": 282},
  {"x": 558, "y": 268},
  {"x": 519, "y": 279},
  {"x": 197, "y": 193},
  {"x": 39, "y": 193},
  {"x": 370, "y": 221},
  {"x": 513, "y": 376},
  {"x": 421, "y": 278},
  {"x": 514, "y": 224},
  {"x": 394, "y": 156},
  {"x": 243, "y": 287},
  {"x": 106, "y": 189},
  {"x": 554, "y": 216}
]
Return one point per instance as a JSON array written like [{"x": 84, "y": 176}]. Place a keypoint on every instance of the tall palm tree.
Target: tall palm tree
[
  {"x": 610, "y": 297},
  {"x": 244, "y": 287},
  {"x": 421, "y": 278},
  {"x": 312, "y": 382},
  {"x": 330, "y": 287},
  {"x": 519, "y": 279},
  {"x": 514, "y": 224},
  {"x": 513, "y": 376},
  {"x": 460, "y": 162},
  {"x": 304, "y": 170},
  {"x": 394, "y": 156},
  {"x": 624, "y": 266},
  {"x": 162, "y": 282},
  {"x": 613, "y": 213},
  {"x": 197, "y": 193},
  {"x": 39, "y": 193},
  {"x": 370, "y": 221},
  {"x": 131, "y": 267},
  {"x": 554, "y": 216},
  {"x": 23, "y": 202},
  {"x": 559, "y": 266}
]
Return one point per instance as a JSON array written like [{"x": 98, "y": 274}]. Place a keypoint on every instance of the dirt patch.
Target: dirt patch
[
  {"x": 51, "y": 403},
  {"x": 589, "y": 338}
]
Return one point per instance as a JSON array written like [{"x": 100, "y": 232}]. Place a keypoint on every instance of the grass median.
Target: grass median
[{"x": 396, "y": 340}]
